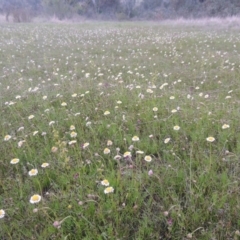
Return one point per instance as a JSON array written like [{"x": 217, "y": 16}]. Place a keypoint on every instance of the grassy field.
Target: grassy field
[{"x": 120, "y": 131}]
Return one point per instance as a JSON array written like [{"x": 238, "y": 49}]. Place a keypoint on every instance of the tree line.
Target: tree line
[{"x": 25, "y": 10}]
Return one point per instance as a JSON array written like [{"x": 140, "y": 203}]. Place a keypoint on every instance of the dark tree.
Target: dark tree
[{"x": 18, "y": 10}]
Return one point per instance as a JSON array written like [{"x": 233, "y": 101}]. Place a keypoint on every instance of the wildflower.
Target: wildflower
[
  {"x": 20, "y": 143},
  {"x": 44, "y": 165},
  {"x": 167, "y": 140},
  {"x": 72, "y": 142},
  {"x": 54, "y": 149},
  {"x": 155, "y": 109},
  {"x": 165, "y": 213},
  {"x": 14, "y": 161},
  {"x": 31, "y": 117},
  {"x": 117, "y": 157},
  {"x": 174, "y": 111},
  {"x": 72, "y": 127},
  {"x": 35, "y": 133},
  {"x": 2, "y": 213},
  {"x": 11, "y": 103},
  {"x": 150, "y": 172},
  {"x": 74, "y": 95},
  {"x": 148, "y": 158},
  {"x": 35, "y": 198},
  {"x": 139, "y": 152},
  {"x": 127, "y": 154},
  {"x": 109, "y": 143},
  {"x": 135, "y": 139},
  {"x": 170, "y": 222},
  {"x": 73, "y": 134},
  {"x": 33, "y": 172},
  {"x": 163, "y": 85},
  {"x": 20, "y": 129},
  {"x": 85, "y": 145},
  {"x": 51, "y": 123},
  {"x": 106, "y": 151},
  {"x": 119, "y": 102},
  {"x": 7, "y": 138},
  {"x": 176, "y": 128},
  {"x": 172, "y": 97},
  {"x": 35, "y": 210},
  {"x": 149, "y": 90},
  {"x": 63, "y": 104},
  {"x": 44, "y": 97},
  {"x": 108, "y": 190},
  {"x": 88, "y": 124},
  {"x": 105, "y": 182},
  {"x": 106, "y": 113},
  {"x": 210, "y": 139},
  {"x": 189, "y": 236},
  {"x": 225, "y": 126},
  {"x": 131, "y": 147}
]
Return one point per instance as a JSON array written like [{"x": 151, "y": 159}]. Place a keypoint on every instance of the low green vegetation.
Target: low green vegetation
[{"x": 119, "y": 131}]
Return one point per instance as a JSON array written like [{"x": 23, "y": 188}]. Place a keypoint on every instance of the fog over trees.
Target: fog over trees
[{"x": 25, "y": 10}]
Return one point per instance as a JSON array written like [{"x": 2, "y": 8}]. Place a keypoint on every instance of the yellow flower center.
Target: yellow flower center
[{"x": 35, "y": 198}]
